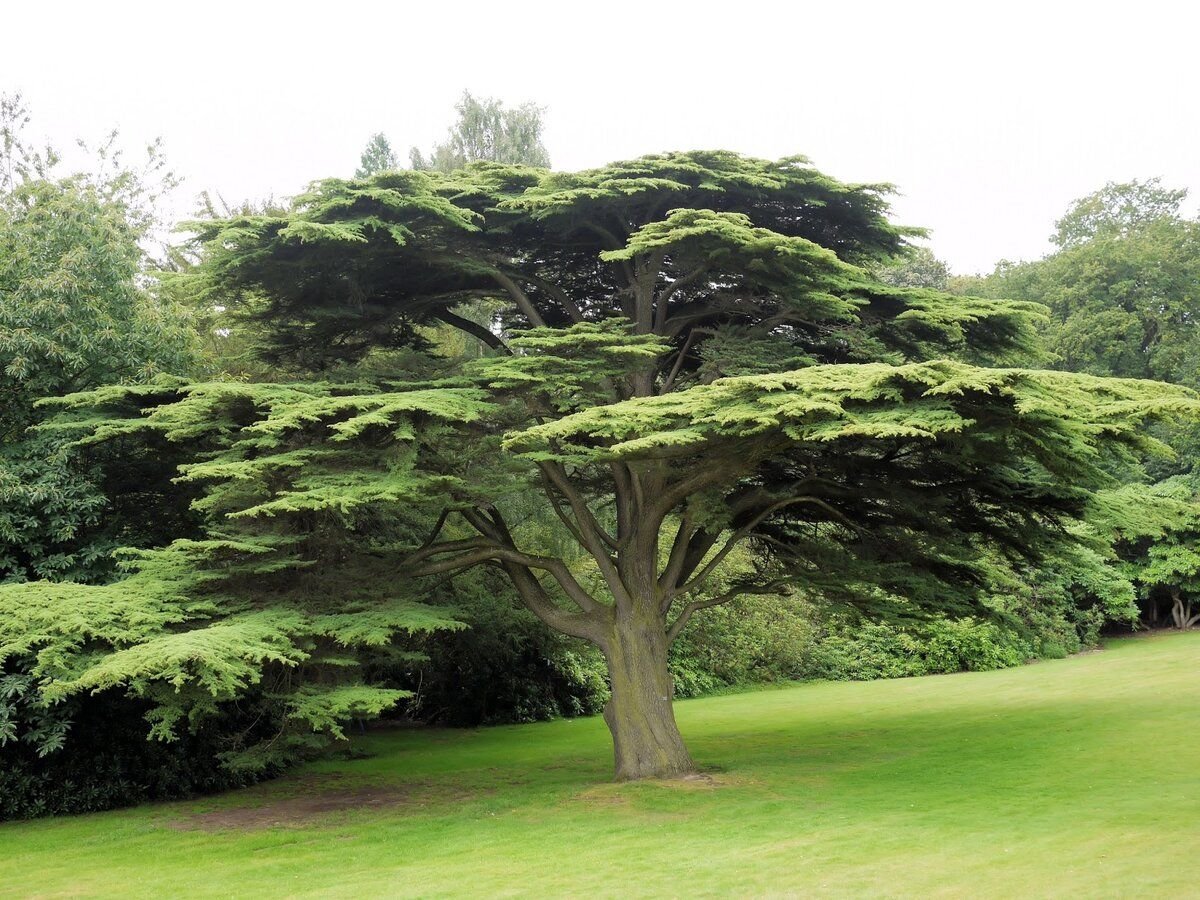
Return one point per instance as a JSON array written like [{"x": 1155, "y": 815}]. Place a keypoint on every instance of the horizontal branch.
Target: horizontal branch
[
  {"x": 569, "y": 306},
  {"x": 688, "y": 611},
  {"x": 474, "y": 551},
  {"x": 474, "y": 329}
]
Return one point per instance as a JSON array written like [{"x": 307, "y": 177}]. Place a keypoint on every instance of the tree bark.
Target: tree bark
[
  {"x": 640, "y": 715},
  {"x": 1181, "y": 611}
]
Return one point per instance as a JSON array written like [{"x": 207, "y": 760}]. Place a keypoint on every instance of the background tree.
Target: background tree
[
  {"x": 917, "y": 267},
  {"x": 1117, "y": 210},
  {"x": 487, "y": 131},
  {"x": 690, "y": 359},
  {"x": 80, "y": 306},
  {"x": 1123, "y": 291},
  {"x": 377, "y": 157},
  {"x": 75, "y": 312},
  {"x": 1162, "y": 554}
]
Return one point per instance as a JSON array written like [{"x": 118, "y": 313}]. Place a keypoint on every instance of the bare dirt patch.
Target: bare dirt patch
[{"x": 314, "y": 800}]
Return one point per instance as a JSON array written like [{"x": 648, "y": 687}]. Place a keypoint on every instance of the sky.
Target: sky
[{"x": 989, "y": 118}]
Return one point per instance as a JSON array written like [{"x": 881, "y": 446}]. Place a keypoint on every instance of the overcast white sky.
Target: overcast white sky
[{"x": 989, "y": 117}]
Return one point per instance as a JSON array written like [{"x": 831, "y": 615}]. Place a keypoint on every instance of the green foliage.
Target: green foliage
[
  {"x": 886, "y": 471},
  {"x": 917, "y": 268},
  {"x": 486, "y": 131},
  {"x": 1117, "y": 210},
  {"x": 281, "y": 600},
  {"x": 751, "y": 640},
  {"x": 1122, "y": 293},
  {"x": 1162, "y": 556},
  {"x": 1122, "y": 290},
  {"x": 75, "y": 312},
  {"x": 871, "y": 650},
  {"x": 377, "y": 156}
]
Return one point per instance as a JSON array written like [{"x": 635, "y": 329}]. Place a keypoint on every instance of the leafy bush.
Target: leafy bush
[
  {"x": 749, "y": 641},
  {"x": 108, "y": 761},
  {"x": 867, "y": 651},
  {"x": 957, "y": 645}
]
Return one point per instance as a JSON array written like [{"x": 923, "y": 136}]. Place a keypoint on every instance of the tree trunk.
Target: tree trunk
[
  {"x": 1177, "y": 613},
  {"x": 640, "y": 715},
  {"x": 1184, "y": 617}
]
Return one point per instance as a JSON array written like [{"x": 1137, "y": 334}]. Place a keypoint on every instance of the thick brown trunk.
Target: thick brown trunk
[{"x": 640, "y": 715}]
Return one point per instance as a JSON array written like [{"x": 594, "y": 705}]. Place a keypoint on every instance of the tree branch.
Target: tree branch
[
  {"x": 688, "y": 611},
  {"x": 437, "y": 528},
  {"x": 587, "y": 522},
  {"x": 430, "y": 549},
  {"x": 474, "y": 329},
  {"x": 660, "y": 312},
  {"x": 548, "y": 489},
  {"x": 737, "y": 537},
  {"x": 589, "y": 627},
  {"x": 483, "y": 550},
  {"x": 614, "y": 244},
  {"x": 519, "y": 297},
  {"x": 674, "y": 568},
  {"x": 569, "y": 306},
  {"x": 591, "y": 535},
  {"x": 675, "y": 369}
]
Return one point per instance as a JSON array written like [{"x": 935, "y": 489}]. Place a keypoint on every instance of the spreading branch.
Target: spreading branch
[
  {"x": 474, "y": 329},
  {"x": 519, "y": 297},
  {"x": 775, "y": 587}
]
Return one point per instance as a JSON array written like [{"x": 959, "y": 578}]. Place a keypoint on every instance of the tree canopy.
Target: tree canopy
[
  {"x": 1123, "y": 289},
  {"x": 689, "y": 358},
  {"x": 75, "y": 313},
  {"x": 487, "y": 131},
  {"x": 377, "y": 157}
]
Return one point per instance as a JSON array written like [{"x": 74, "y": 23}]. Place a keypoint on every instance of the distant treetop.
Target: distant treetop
[{"x": 487, "y": 131}]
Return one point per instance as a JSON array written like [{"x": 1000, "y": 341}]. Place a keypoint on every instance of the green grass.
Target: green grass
[{"x": 1078, "y": 777}]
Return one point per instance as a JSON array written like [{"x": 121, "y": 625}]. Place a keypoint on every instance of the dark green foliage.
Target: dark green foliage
[
  {"x": 325, "y": 277},
  {"x": 280, "y": 602},
  {"x": 107, "y": 762},
  {"x": 506, "y": 666}
]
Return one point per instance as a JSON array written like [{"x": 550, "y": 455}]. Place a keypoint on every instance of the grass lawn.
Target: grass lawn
[{"x": 1079, "y": 777}]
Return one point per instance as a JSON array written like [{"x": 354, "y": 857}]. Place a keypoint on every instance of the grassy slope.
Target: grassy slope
[{"x": 1079, "y": 777}]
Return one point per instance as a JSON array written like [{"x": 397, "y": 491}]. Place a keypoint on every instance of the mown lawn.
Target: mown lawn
[{"x": 1079, "y": 777}]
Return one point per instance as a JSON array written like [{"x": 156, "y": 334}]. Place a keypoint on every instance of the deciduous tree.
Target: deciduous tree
[
  {"x": 487, "y": 131},
  {"x": 377, "y": 157}
]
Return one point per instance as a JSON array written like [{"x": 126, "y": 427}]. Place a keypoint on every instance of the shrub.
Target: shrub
[
  {"x": 749, "y": 641},
  {"x": 107, "y": 761}
]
